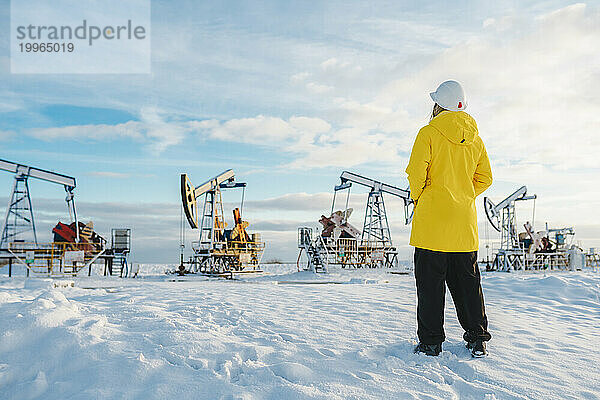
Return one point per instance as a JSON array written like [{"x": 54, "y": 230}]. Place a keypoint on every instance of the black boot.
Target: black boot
[
  {"x": 477, "y": 348},
  {"x": 429, "y": 349}
]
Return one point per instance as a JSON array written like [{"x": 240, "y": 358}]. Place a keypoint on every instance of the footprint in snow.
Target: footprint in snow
[
  {"x": 365, "y": 376},
  {"x": 287, "y": 338},
  {"x": 71, "y": 322},
  {"x": 326, "y": 352},
  {"x": 290, "y": 338},
  {"x": 293, "y": 372}
]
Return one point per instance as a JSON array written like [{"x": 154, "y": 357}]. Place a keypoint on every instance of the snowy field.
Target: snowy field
[{"x": 283, "y": 336}]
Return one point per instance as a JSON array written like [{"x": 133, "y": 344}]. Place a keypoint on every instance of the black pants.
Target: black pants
[{"x": 433, "y": 271}]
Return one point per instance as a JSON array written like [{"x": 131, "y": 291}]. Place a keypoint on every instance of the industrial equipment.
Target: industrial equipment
[
  {"x": 339, "y": 243},
  {"x": 592, "y": 259},
  {"x": 116, "y": 261},
  {"x": 503, "y": 217},
  {"x": 529, "y": 250},
  {"x": 561, "y": 236},
  {"x": 19, "y": 211},
  {"x": 219, "y": 250},
  {"x": 74, "y": 246}
]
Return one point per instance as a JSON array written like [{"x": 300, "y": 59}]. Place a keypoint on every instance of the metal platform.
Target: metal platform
[
  {"x": 51, "y": 263},
  {"x": 516, "y": 260},
  {"x": 225, "y": 257},
  {"x": 323, "y": 252}
]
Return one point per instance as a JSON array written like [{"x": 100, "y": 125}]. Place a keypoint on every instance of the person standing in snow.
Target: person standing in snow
[{"x": 448, "y": 169}]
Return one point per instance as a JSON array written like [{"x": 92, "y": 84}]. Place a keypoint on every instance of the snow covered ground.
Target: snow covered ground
[{"x": 281, "y": 336}]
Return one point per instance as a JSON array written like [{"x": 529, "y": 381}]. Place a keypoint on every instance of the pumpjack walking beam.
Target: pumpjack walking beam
[
  {"x": 502, "y": 216},
  {"x": 376, "y": 227},
  {"x": 19, "y": 212}
]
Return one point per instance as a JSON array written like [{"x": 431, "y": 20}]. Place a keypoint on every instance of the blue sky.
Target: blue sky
[{"x": 289, "y": 94}]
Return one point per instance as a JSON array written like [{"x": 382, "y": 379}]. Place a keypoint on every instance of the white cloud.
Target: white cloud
[
  {"x": 300, "y": 77},
  {"x": 346, "y": 148},
  {"x": 6, "y": 106},
  {"x": 502, "y": 24},
  {"x": 533, "y": 96},
  {"x": 109, "y": 174},
  {"x": 313, "y": 141},
  {"x": 258, "y": 130},
  {"x": 161, "y": 133},
  {"x": 152, "y": 129},
  {"x": 309, "y": 125},
  {"x": 293, "y": 201},
  {"x": 330, "y": 63},
  {"x": 532, "y": 93},
  {"x": 130, "y": 129},
  {"x": 6, "y": 135},
  {"x": 262, "y": 130},
  {"x": 318, "y": 88}
]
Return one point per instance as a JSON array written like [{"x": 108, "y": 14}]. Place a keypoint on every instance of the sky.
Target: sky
[{"x": 290, "y": 94}]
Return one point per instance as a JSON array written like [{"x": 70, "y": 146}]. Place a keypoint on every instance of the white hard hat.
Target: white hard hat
[{"x": 450, "y": 95}]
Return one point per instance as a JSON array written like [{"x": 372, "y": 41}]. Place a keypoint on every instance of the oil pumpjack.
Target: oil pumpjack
[
  {"x": 529, "y": 250},
  {"x": 340, "y": 243},
  {"x": 74, "y": 246},
  {"x": 218, "y": 251}
]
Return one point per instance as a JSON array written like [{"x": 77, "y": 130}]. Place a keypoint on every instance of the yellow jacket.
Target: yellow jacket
[{"x": 448, "y": 169}]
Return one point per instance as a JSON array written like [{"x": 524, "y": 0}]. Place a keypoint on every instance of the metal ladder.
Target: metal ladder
[
  {"x": 317, "y": 262},
  {"x": 117, "y": 266}
]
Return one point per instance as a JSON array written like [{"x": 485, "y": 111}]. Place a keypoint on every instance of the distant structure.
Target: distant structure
[
  {"x": 218, "y": 251},
  {"x": 74, "y": 245},
  {"x": 340, "y": 243},
  {"x": 19, "y": 211},
  {"x": 549, "y": 249}
]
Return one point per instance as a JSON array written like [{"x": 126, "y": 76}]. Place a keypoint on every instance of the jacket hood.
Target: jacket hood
[{"x": 458, "y": 127}]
